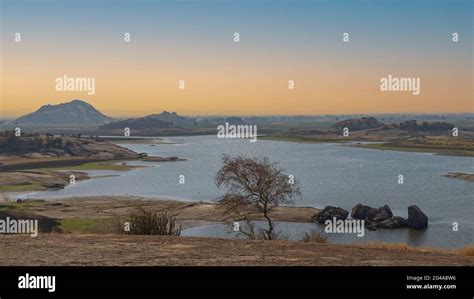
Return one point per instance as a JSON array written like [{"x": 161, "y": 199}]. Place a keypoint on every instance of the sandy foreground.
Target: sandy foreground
[{"x": 123, "y": 250}]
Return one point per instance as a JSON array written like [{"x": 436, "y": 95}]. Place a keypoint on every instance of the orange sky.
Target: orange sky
[
  {"x": 246, "y": 78},
  {"x": 126, "y": 90}
]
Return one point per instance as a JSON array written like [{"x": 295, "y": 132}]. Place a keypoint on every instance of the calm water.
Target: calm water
[{"x": 329, "y": 174}]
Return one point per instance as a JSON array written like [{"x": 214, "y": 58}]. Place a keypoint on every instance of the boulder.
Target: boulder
[
  {"x": 416, "y": 218},
  {"x": 362, "y": 212},
  {"x": 329, "y": 212},
  {"x": 395, "y": 222},
  {"x": 383, "y": 213},
  {"x": 372, "y": 214}
]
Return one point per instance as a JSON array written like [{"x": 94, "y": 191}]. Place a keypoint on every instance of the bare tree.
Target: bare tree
[{"x": 257, "y": 183}]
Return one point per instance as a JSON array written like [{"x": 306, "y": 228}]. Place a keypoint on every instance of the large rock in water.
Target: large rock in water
[
  {"x": 416, "y": 218},
  {"x": 383, "y": 214},
  {"x": 372, "y": 214},
  {"x": 362, "y": 212},
  {"x": 381, "y": 217},
  {"x": 329, "y": 212},
  {"x": 395, "y": 222}
]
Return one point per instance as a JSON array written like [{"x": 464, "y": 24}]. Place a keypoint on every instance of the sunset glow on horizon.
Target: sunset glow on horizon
[{"x": 279, "y": 41}]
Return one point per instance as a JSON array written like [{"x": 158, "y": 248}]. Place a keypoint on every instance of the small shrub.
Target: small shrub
[{"x": 149, "y": 223}]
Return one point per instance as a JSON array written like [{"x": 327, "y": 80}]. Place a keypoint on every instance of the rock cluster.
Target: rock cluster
[
  {"x": 329, "y": 212},
  {"x": 375, "y": 217}
]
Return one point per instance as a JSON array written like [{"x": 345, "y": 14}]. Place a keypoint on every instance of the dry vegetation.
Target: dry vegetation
[{"x": 134, "y": 250}]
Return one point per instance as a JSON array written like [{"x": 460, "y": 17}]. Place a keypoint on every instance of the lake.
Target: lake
[{"x": 329, "y": 174}]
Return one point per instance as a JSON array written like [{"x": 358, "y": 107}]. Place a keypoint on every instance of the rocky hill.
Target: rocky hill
[
  {"x": 162, "y": 120},
  {"x": 358, "y": 124},
  {"x": 413, "y": 125},
  {"x": 47, "y": 145},
  {"x": 70, "y": 113}
]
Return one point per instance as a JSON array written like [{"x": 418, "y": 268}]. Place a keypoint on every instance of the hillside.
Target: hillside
[
  {"x": 73, "y": 112},
  {"x": 358, "y": 124},
  {"x": 163, "y": 120},
  {"x": 46, "y": 145}
]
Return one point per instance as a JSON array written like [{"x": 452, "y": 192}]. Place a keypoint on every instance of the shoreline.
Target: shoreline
[
  {"x": 379, "y": 144},
  {"x": 461, "y": 176},
  {"x": 19, "y": 174},
  {"x": 101, "y": 209}
]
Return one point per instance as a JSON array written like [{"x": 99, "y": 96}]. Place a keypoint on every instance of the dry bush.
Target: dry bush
[{"x": 149, "y": 223}]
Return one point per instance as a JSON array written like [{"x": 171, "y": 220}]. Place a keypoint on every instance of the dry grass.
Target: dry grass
[
  {"x": 401, "y": 246},
  {"x": 467, "y": 250},
  {"x": 313, "y": 236},
  {"x": 140, "y": 250}
]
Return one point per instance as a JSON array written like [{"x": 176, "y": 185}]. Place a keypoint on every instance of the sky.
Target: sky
[{"x": 280, "y": 40}]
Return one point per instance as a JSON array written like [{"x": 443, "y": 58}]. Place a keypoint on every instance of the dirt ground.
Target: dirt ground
[{"x": 124, "y": 250}]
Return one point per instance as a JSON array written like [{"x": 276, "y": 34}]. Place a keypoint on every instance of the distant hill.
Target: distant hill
[
  {"x": 413, "y": 125},
  {"x": 174, "y": 118},
  {"x": 76, "y": 112},
  {"x": 358, "y": 124},
  {"x": 163, "y": 120},
  {"x": 47, "y": 145}
]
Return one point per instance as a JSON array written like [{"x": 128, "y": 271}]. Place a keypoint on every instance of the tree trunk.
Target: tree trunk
[{"x": 270, "y": 226}]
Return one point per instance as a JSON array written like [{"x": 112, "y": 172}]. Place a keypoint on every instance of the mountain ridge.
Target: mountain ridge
[{"x": 72, "y": 112}]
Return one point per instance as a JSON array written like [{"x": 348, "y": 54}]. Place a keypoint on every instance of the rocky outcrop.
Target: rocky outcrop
[
  {"x": 371, "y": 214},
  {"x": 375, "y": 217},
  {"x": 47, "y": 145},
  {"x": 383, "y": 213},
  {"x": 383, "y": 217},
  {"x": 359, "y": 124},
  {"x": 329, "y": 212},
  {"x": 394, "y": 222},
  {"x": 416, "y": 218}
]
